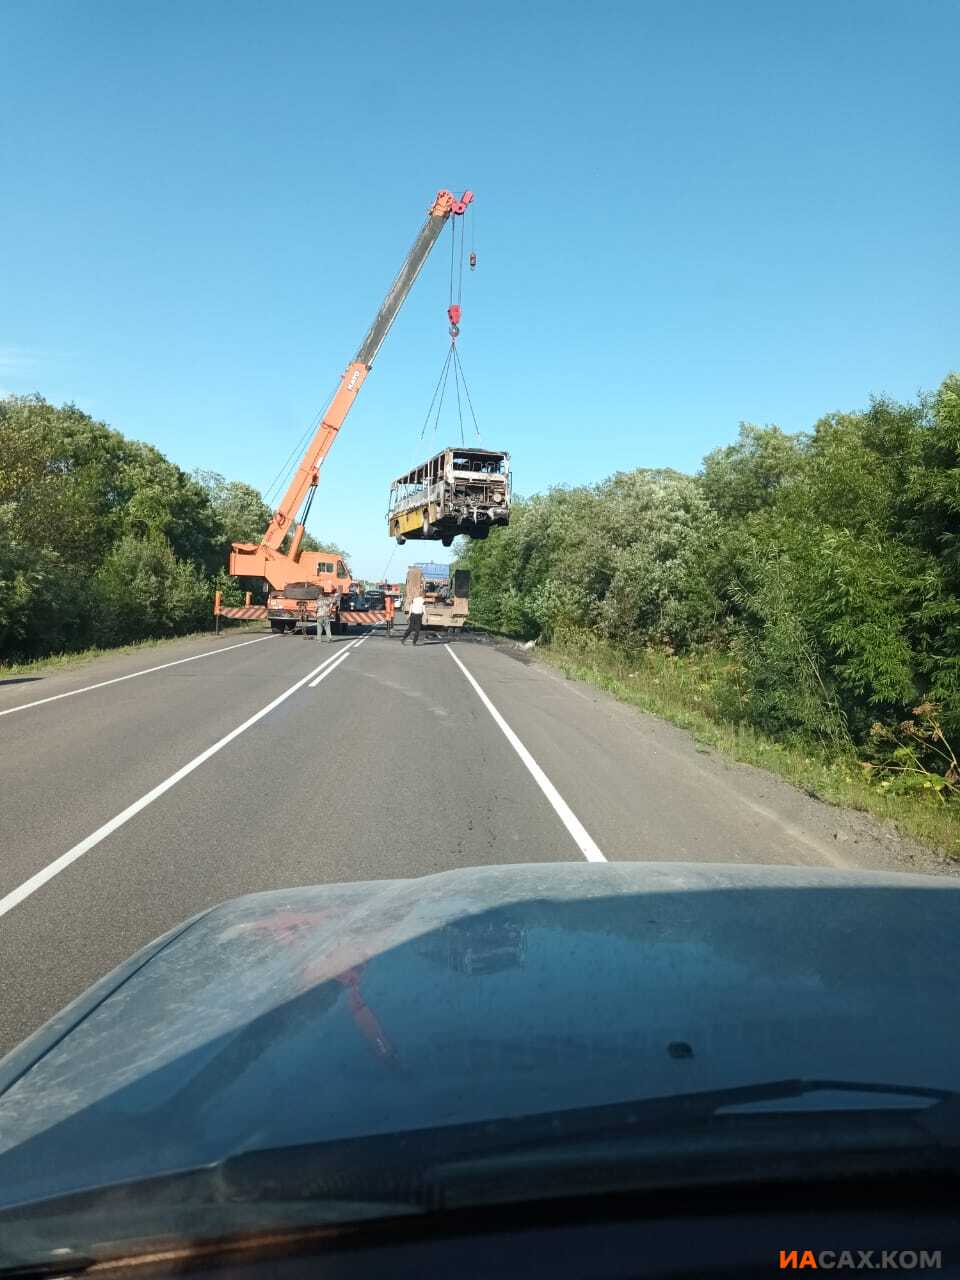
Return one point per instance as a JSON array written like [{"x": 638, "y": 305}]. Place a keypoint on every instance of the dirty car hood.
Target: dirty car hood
[{"x": 351, "y": 1010}]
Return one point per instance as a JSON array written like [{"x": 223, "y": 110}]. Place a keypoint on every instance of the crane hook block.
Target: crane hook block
[
  {"x": 453, "y": 314},
  {"x": 473, "y": 262}
]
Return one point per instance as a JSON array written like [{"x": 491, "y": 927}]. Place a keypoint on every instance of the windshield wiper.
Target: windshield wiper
[
  {"x": 415, "y": 1170},
  {"x": 396, "y": 1166}
]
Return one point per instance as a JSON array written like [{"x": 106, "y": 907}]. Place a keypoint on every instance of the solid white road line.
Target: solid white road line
[
  {"x": 563, "y": 811},
  {"x": 333, "y": 666},
  {"x": 16, "y": 896},
  {"x": 132, "y": 676},
  {"x": 354, "y": 644}
]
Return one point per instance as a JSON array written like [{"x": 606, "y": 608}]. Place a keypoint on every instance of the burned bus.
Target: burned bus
[{"x": 457, "y": 491}]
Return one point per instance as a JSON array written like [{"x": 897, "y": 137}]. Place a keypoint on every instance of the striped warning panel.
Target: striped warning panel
[
  {"x": 243, "y": 611},
  {"x": 369, "y": 616}
]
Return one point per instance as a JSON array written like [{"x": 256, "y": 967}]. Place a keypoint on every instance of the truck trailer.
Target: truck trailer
[{"x": 446, "y": 596}]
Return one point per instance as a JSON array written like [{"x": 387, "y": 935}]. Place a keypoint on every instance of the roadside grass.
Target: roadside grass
[
  {"x": 58, "y": 661},
  {"x": 686, "y": 692}
]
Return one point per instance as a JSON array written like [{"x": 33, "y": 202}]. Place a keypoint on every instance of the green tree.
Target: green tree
[
  {"x": 59, "y": 471},
  {"x": 242, "y": 514},
  {"x": 158, "y": 499},
  {"x": 747, "y": 476}
]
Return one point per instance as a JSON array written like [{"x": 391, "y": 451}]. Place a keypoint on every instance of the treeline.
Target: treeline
[
  {"x": 824, "y": 566},
  {"x": 103, "y": 540}
]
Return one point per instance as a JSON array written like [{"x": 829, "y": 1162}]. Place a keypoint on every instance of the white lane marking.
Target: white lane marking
[
  {"x": 16, "y": 896},
  {"x": 87, "y": 688},
  {"x": 351, "y": 645},
  {"x": 563, "y": 811},
  {"x": 323, "y": 675}
]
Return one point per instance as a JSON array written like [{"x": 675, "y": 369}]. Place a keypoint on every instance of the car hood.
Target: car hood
[{"x": 351, "y": 1010}]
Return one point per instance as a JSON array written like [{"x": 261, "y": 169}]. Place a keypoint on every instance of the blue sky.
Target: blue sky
[{"x": 689, "y": 213}]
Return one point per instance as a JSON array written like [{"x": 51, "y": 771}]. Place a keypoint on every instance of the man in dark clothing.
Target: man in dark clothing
[{"x": 414, "y": 620}]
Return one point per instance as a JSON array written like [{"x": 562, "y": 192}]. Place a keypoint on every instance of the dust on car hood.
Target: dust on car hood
[{"x": 350, "y": 1010}]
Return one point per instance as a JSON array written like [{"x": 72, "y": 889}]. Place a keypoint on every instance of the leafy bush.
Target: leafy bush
[
  {"x": 143, "y": 590},
  {"x": 824, "y": 565}
]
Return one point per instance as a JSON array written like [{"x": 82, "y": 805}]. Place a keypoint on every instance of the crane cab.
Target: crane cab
[{"x": 326, "y": 570}]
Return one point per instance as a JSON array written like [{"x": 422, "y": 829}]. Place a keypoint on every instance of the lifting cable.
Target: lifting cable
[
  {"x": 443, "y": 389},
  {"x": 440, "y": 388},
  {"x": 453, "y": 356},
  {"x": 452, "y": 360},
  {"x": 460, "y": 278},
  {"x": 273, "y": 492},
  {"x": 456, "y": 380},
  {"x": 280, "y": 479},
  {"x": 463, "y": 378}
]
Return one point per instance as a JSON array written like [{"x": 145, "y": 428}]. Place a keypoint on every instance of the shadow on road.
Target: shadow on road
[
  {"x": 438, "y": 637},
  {"x": 21, "y": 680}
]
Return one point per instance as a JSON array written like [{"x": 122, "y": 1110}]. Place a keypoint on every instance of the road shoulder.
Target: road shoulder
[{"x": 833, "y": 834}]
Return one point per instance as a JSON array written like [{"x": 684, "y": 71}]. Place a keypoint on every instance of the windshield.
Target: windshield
[{"x": 596, "y": 803}]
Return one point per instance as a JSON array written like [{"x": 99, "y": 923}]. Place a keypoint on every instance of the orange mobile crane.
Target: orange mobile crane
[{"x": 296, "y": 579}]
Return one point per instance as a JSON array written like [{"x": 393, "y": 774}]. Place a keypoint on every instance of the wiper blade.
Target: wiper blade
[
  {"x": 676, "y": 1110},
  {"x": 396, "y": 1166},
  {"x": 394, "y": 1173},
  {"x": 709, "y": 1101},
  {"x": 400, "y": 1158}
]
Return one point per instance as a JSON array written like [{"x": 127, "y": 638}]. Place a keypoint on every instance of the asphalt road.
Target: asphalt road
[{"x": 243, "y": 764}]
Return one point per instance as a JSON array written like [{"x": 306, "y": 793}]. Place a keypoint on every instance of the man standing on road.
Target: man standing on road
[
  {"x": 414, "y": 620},
  {"x": 324, "y": 611}
]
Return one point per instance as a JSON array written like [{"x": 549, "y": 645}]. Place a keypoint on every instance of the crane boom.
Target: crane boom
[{"x": 266, "y": 559}]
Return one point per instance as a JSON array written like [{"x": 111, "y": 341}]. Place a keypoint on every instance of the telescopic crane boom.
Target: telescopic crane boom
[{"x": 265, "y": 559}]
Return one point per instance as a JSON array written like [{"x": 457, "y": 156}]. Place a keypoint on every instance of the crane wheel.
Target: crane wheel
[
  {"x": 448, "y": 541},
  {"x": 400, "y": 541},
  {"x": 481, "y": 531}
]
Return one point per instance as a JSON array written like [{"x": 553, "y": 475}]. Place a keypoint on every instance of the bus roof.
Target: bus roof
[{"x": 464, "y": 450}]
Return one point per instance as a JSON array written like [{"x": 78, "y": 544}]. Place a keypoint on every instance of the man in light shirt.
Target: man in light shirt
[
  {"x": 324, "y": 613},
  {"x": 414, "y": 620}
]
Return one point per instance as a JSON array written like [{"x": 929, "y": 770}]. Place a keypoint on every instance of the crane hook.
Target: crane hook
[{"x": 473, "y": 262}]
